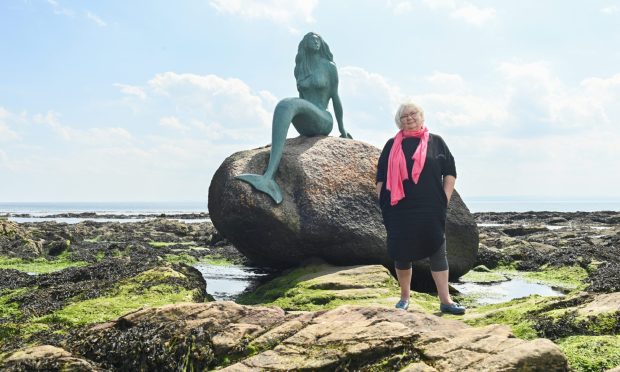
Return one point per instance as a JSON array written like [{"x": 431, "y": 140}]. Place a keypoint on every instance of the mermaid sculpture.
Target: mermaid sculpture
[{"x": 317, "y": 83}]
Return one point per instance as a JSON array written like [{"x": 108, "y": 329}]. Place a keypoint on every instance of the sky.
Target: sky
[{"x": 142, "y": 101}]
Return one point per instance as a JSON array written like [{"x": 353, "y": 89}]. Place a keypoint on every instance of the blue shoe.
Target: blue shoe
[
  {"x": 402, "y": 304},
  {"x": 452, "y": 308}
]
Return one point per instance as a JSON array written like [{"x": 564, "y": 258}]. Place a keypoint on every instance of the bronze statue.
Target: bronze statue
[{"x": 317, "y": 83}]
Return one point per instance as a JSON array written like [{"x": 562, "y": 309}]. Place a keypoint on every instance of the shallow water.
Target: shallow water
[
  {"x": 493, "y": 293},
  {"x": 226, "y": 283}
]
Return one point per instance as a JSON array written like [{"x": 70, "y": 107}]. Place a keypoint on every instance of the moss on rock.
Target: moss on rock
[
  {"x": 161, "y": 285},
  {"x": 151, "y": 288},
  {"x": 483, "y": 277},
  {"x": 39, "y": 265},
  {"x": 324, "y": 287},
  {"x": 591, "y": 353}
]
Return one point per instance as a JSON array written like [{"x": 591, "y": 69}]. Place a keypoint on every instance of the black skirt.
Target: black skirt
[{"x": 414, "y": 233}]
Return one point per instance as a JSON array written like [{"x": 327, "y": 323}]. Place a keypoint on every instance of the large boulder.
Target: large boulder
[{"x": 329, "y": 210}]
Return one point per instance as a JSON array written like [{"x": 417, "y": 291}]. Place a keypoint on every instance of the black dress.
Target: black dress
[{"x": 416, "y": 224}]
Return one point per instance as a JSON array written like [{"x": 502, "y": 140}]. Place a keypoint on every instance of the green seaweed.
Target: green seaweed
[
  {"x": 40, "y": 265},
  {"x": 591, "y": 353},
  {"x": 483, "y": 277},
  {"x": 519, "y": 314},
  {"x": 216, "y": 260},
  {"x": 568, "y": 277},
  {"x": 168, "y": 244},
  {"x": 300, "y": 290},
  {"x": 178, "y": 258},
  {"x": 148, "y": 289}
]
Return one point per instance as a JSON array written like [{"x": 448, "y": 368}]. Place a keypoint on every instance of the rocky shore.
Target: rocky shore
[{"x": 124, "y": 296}]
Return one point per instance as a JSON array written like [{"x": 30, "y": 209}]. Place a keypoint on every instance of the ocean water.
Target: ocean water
[
  {"x": 126, "y": 208},
  {"x": 481, "y": 204},
  {"x": 475, "y": 204}
]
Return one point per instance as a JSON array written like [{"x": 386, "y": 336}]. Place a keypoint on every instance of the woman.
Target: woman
[
  {"x": 415, "y": 180},
  {"x": 317, "y": 83}
]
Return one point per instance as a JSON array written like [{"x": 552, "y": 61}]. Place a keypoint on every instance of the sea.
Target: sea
[
  {"x": 128, "y": 211},
  {"x": 475, "y": 204}
]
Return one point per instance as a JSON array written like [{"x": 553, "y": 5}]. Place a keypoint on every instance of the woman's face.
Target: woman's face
[
  {"x": 411, "y": 119},
  {"x": 313, "y": 43}
]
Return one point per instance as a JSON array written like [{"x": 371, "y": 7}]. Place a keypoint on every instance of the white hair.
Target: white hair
[{"x": 402, "y": 107}]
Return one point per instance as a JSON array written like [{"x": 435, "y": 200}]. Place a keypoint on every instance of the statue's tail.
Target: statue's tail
[{"x": 264, "y": 184}]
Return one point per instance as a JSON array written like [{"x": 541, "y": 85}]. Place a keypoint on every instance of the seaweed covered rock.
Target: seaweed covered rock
[
  {"x": 329, "y": 209},
  {"x": 225, "y": 334},
  {"x": 176, "y": 337},
  {"x": 46, "y": 358},
  {"x": 45, "y": 308},
  {"x": 17, "y": 242},
  {"x": 323, "y": 286}
]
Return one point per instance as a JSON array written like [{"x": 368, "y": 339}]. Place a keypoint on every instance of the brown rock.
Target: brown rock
[
  {"x": 608, "y": 303},
  {"x": 17, "y": 242},
  {"x": 46, "y": 358},
  {"x": 242, "y": 338}
]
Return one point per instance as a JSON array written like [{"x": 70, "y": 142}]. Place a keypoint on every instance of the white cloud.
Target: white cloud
[
  {"x": 401, "y": 7},
  {"x": 540, "y": 100},
  {"x": 528, "y": 99},
  {"x": 51, "y": 119},
  {"x": 445, "y": 81},
  {"x": 369, "y": 100},
  {"x": 450, "y": 111},
  {"x": 211, "y": 98},
  {"x": 100, "y": 137},
  {"x": 473, "y": 14},
  {"x": 172, "y": 122},
  {"x": 611, "y": 9},
  {"x": 279, "y": 11},
  {"x": 93, "y": 17},
  {"x": 570, "y": 164},
  {"x": 8, "y": 122},
  {"x": 6, "y": 134},
  {"x": 59, "y": 9},
  {"x": 464, "y": 11},
  {"x": 131, "y": 90}
]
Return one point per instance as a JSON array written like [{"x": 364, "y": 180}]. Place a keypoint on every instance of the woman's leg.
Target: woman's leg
[
  {"x": 439, "y": 271},
  {"x": 441, "y": 282},
  {"x": 404, "y": 274}
]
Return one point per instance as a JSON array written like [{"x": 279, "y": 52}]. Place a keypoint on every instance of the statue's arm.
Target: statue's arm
[{"x": 337, "y": 104}]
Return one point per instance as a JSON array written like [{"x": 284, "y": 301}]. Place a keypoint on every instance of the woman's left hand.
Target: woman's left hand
[{"x": 345, "y": 134}]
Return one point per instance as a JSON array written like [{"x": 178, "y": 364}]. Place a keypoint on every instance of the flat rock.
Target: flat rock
[
  {"x": 608, "y": 303},
  {"x": 329, "y": 210},
  {"x": 242, "y": 338},
  {"x": 46, "y": 358},
  {"x": 322, "y": 286}
]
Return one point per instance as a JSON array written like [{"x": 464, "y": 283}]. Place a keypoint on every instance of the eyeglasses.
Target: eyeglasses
[{"x": 409, "y": 115}]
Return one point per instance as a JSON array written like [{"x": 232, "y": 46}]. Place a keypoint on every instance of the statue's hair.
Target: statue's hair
[
  {"x": 402, "y": 107},
  {"x": 302, "y": 63}
]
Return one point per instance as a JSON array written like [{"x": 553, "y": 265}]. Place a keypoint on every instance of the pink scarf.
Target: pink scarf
[{"x": 397, "y": 166}]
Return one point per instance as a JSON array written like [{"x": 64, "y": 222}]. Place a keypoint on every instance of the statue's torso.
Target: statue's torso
[{"x": 316, "y": 87}]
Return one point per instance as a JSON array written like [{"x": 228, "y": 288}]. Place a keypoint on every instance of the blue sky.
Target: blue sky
[{"x": 122, "y": 101}]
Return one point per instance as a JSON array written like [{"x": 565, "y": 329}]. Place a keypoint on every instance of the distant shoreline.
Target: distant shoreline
[
  {"x": 97, "y": 215},
  {"x": 200, "y": 208}
]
